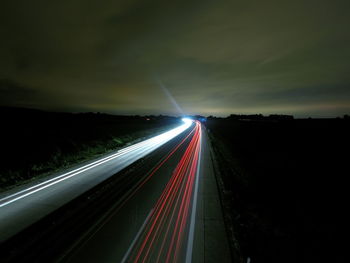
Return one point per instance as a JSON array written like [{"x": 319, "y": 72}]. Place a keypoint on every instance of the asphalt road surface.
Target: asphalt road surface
[
  {"x": 155, "y": 223},
  {"x": 26, "y": 205},
  {"x": 149, "y": 212}
]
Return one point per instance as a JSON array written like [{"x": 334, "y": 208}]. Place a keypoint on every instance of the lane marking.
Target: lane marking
[
  {"x": 116, "y": 207},
  {"x": 178, "y": 190},
  {"x": 194, "y": 208},
  {"x": 136, "y": 237}
]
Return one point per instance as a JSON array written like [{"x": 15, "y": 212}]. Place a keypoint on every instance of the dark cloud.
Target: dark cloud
[
  {"x": 215, "y": 57},
  {"x": 13, "y": 94}
]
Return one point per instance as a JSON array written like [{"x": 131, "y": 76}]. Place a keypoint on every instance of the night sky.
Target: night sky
[{"x": 211, "y": 57}]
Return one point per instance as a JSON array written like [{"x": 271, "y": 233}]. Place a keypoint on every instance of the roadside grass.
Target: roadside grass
[
  {"x": 284, "y": 188},
  {"x": 46, "y": 143}
]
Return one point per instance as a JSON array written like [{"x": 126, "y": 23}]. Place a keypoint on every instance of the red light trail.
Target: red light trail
[{"x": 165, "y": 234}]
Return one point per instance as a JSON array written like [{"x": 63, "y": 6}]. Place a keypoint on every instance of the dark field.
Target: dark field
[
  {"x": 34, "y": 143},
  {"x": 285, "y": 187}
]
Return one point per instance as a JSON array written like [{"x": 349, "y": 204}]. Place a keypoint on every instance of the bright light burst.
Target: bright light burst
[{"x": 187, "y": 120}]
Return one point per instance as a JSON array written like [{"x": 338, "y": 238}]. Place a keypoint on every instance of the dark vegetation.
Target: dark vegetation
[
  {"x": 35, "y": 143},
  {"x": 285, "y": 188}
]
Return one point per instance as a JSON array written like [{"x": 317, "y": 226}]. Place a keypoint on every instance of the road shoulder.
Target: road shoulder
[{"x": 210, "y": 244}]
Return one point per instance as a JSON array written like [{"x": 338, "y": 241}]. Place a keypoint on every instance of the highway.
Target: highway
[
  {"x": 157, "y": 222},
  {"x": 145, "y": 203}
]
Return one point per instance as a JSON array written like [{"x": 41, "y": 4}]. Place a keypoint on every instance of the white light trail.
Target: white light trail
[{"x": 133, "y": 152}]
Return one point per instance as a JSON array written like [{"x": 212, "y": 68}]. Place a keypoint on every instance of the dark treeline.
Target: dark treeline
[
  {"x": 255, "y": 117},
  {"x": 34, "y": 142},
  {"x": 271, "y": 117},
  {"x": 285, "y": 186}
]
